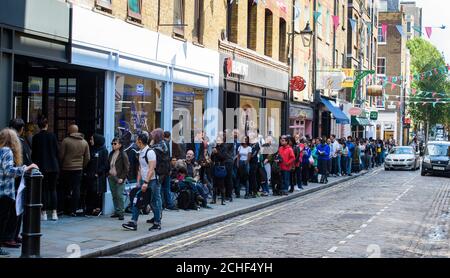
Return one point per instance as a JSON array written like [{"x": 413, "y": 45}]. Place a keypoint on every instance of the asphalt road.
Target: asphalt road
[{"x": 382, "y": 214}]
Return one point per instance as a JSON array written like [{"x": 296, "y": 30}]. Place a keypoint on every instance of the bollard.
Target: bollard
[{"x": 31, "y": 233}]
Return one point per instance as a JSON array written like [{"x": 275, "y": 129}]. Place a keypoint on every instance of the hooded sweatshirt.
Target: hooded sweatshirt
[{"x": 74, "y": 153}]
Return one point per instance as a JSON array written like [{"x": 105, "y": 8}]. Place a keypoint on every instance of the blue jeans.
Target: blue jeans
[
  {"x": 285, "y": 180},
  {"x": 166, "y": 194},
  {"x": 155, "y": 202},
  {"x": 349, "y": 165}
]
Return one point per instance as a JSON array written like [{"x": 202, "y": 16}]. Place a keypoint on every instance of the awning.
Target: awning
[
  {"x": 341, "y": 118},
  {"x": 360, "y": 121}
]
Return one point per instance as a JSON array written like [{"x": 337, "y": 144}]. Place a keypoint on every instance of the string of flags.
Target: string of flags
[{"x": 428, "y": 29}]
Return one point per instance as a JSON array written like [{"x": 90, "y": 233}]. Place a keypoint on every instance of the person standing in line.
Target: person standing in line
[
  {"x": 286, "y": 160},
  {"x": 119, "y": 165},
  {"x": 323, "y": 150},
  {"x": 19, "y": 126},
  {"x": 74, "y": 156},
  {"x": 305, "y": 163},
  {"x": 218, "y": 157},
  {"x": 243, "y": 160},
  {"x": 166, "y": 194},
  {"x": 45, "y": 155},
  {"x": 351, "y": 149},
  {"x": 253, "y": 178},
  {"x": 11, "y": 167}
]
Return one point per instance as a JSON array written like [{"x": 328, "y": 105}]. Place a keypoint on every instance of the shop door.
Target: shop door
[{"x": 55, "y": 98}]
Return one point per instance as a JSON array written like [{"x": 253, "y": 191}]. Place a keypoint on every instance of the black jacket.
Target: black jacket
[
  {"x": 45, "y": 152},
  {"x": 122, "y": 165},
  {"x": 98, "y": 164}
]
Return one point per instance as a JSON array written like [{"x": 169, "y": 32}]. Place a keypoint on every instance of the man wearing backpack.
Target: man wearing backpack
[{"x": 148, "y": 180}]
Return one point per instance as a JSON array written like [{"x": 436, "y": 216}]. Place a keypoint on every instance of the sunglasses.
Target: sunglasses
[{"x": 114, "y": 144}]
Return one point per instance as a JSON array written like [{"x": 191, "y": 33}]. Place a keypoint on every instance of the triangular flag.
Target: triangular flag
[
  {"x": 394, "y": 79},
  {"x": 297, "y": 12},
  {"x": 316, "y": 15},
  {"x": 393, "y": 86},
  {"x": 400, "y": 30},
  {"x": 434, "y": 104},
  {"x": 369, "y": 27},
  {"x": 336, "y": 21},
  {"x": 429, "y": 30},
  {"x": 352, "y": 23},
  {"x": 384, "y": 28}
]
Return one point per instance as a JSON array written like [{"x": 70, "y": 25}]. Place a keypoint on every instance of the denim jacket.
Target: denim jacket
[{"x": 8, "y": 173}]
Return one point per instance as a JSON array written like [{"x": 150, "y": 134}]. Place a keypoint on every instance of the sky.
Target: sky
[{"x": 436, "y": 13}]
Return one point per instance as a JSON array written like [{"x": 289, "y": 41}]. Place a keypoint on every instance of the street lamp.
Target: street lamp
[{"x": 307, "y": 34}]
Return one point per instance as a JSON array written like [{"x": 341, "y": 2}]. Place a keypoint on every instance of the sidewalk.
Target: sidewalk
[{"x": 103, "y": 236}]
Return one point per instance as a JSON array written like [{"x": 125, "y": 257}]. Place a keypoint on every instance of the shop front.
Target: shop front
[
  {"x": 300, "y": 121},
  {"x": 332, "y": 118},
  {"x": 36, "y": 77},
  {"x": 254, "y": 97},
  {"x": 150, "y": 81}
]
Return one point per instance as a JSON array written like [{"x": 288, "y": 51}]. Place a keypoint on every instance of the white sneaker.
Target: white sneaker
[
  {"x": 43, "y": 216},
  {"x": 54, "y": 215}
]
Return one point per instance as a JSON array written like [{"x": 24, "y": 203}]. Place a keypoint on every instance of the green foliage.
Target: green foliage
[{"x": 425, "y": 57}]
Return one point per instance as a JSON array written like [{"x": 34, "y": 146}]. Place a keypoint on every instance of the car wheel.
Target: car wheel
[
  {"x": 386, "y": 169},
  {"x": 422, "y": 173}
]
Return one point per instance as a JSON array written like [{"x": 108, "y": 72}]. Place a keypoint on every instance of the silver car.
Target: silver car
[{"x": 404, "y": 158}]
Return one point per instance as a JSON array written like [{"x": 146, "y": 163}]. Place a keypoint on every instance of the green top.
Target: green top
[{"x": 315, "y": 156}]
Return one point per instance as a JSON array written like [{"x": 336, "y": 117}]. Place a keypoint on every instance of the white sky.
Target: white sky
[{"x": 436, "y": 13}]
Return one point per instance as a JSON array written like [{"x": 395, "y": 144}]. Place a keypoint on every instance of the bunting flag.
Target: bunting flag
[
  {"x": 417, "y": 29},
  {"x": 369, "y": 27},
  {"x": 336, "y": 22},
  {"x": 317, "y": 15},
  {"x": 352, "y": 23},
  {"x": 297, "y": 12},
  {"x": 384, "y": 28},
  {"x": 429, "y": 30},
  {"x": 393, "y": 85},
  {"x": 400, "y": 30},
  {"x": 434, "y": 104}
]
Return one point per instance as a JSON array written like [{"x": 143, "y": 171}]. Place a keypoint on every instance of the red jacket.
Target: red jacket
[{"x": 287, "y": 156}]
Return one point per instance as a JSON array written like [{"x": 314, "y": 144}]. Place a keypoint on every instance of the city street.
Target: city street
[{"x": 382, "y": 214}]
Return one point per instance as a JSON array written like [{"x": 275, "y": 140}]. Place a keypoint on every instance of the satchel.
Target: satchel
[{"x": 220, "y": 171}]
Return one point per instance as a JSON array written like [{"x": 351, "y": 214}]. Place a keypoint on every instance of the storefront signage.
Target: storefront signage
[
  {"x": 374, "y": 115},
  {"x": 140, "y": 89},
  {"x": 391, "y": 106},
  {"x": 234, "y": 67},
  {"x": 389, "y": 126},
  {"x": 330, "y": 80},
  {"x": 349, "y": 78},
  {"x": 355, "y": 111}
]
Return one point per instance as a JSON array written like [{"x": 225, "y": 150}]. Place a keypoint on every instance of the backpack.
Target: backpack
[
  {"x": 142, "y": 202},
  {"x": 187, "y": 199},
  {"x": 162, "y": 160}
]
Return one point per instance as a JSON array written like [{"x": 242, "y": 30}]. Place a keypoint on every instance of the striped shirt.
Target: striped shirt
[{"x": 8, "y": 173}]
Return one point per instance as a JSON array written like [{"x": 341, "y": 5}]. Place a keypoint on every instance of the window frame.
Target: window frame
[
  {"x": 381, "y": 39},
  {"x": 133, "y": 15},
  {"x": 383, "y": 66},
  {"x": 197, "y": 35},
  {"x": 102, "y": 5},
  {"x": 178, "y": 29}
]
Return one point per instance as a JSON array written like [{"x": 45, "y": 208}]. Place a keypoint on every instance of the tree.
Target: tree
[{"x": 430, "y": 71}]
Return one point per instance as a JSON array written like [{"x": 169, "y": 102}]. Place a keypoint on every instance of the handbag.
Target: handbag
[
  {"x": 220, "y": 171},
  {"x": 311, "y": 160}
]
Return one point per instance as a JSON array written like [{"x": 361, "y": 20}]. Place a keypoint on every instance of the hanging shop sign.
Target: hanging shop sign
[
  {"x": 355, "y": 111},
  {"x": 375, "y": 91},
  {"x": 332, "y": 80},
  {"x": 374, "y": 115},
  {"x": 349, "y": 78},
  {"x": 298, "y": 83}
]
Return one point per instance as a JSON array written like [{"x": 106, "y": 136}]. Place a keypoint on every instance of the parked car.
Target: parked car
[
  {"x": 402, "y": 158},
  {"x": 437, "y": 158}
]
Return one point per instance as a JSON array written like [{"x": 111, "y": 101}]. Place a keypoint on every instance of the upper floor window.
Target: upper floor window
[
  {"x": 178, "y": 18},
  {"x": 381, "y": 38},
  {"x": 232, "y": 21},
  {"x": 282, "y": 41},
  {"x": 198, "y": 22},
  {"x": 381, "y": 66},
  {"x": 252, "y": 16},
  {"x": 268, "y": 30},
  {"x": 134, "y": 10},
  {"x": 104, "y": 5}
]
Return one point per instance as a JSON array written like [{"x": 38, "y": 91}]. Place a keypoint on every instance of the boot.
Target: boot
[{"x": 222, "y": 199}]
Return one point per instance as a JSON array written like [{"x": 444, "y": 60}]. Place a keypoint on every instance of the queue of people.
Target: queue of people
[{"x": 77, "y": 171}]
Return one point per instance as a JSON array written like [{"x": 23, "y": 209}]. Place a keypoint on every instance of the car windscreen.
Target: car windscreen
[
  {"x": 402, "y": 151},
  {"x": 438, "y": 150}
]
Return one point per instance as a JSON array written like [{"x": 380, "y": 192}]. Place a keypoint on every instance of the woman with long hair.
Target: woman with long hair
[
  {"x": 243, "y": 160},
  {"x": 10, "y": 168}
]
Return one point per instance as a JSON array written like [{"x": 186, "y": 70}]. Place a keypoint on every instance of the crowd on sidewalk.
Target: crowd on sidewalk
[{"x": 145, "y": 177}]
